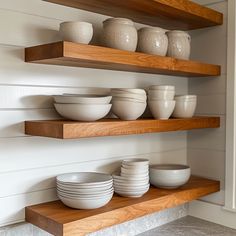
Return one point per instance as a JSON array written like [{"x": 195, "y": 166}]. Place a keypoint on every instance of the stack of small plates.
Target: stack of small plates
[
  {"x": 133, "y": 178},
  {"x": 85, "y": 190}
]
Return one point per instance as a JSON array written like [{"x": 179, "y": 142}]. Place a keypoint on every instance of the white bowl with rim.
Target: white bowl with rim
[
  {"x": 83, "y": 112},
  {"x": 161, "y": 94},
  {"x": 161, "y": 87},
  {"x": 184, "y": 108},
  {"x": 169, "y": 176},
  {"x": 86, "y": 203},
  {"x": 76, "y": 31},
  {"x": 82, "y": 99},
  {"x": 161, "y": 109},
  {"x": 135, "y": 162},
  {"x": 124, "y": 170},
  {"x": 127, "y": 110},
  {"x": 129, "y": 90}
]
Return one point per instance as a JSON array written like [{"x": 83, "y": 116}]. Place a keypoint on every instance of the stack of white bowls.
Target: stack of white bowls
[
  {"x": 128, "y": 104},
  {"x": 85, "y": 190},
  {"x": 161, "y": 101},
  {"x": 185, "y": 106},
  {"x": 82, "y": 107},
  {"x": 133, "y": 178}
]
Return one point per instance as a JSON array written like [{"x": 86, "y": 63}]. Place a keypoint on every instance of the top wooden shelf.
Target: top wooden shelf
[{"x": 174, "y": 14}]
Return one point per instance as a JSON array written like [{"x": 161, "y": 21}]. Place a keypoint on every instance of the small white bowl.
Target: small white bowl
[
  {"x": 162, "y": 87},
  {"x": 184, "y": 109},
  {"x": 83, "y": 99},
  {"x": 129, "y": 90},
  {"x": 161, "y": 94},
  {"x": 185, "y": 97},
  {"x": 86, "y": 203},
  {"x": 169, "y": 176},
  {"x": 135, "y": 162},
  {"x": 117, "y": 176},
  {"x": 132, "y": 193},
  {"x": 129, "y": 95},
  {"x": 133, "y": 171},
  {"x": 75, "y": 31},
  {"x": 129, "y": 99},
  {"x": 131, "y": 188},
  {"x": 83, "y": 112},
  {"x": 91, "y": 190},
  {"x": 161, "y": 109},
  {"x": 127, "y": 110}
]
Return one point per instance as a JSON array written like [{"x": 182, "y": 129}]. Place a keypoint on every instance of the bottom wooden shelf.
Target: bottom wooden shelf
[
  {"x": 59, "y": 220},
  {"x": 110, "y": 127}
]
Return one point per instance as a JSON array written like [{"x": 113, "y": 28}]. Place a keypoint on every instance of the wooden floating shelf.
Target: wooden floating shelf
[
  {"x": 174, "y": 14},
  {"x": 81, "y": 55},
  {"x": 112, "y": 127},
  {"x": 59, "y": 220}
]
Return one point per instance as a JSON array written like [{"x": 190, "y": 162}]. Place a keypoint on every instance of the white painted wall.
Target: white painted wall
[
  {"x": 28, "y": 165},
  {"x": 206, "y": 148}
]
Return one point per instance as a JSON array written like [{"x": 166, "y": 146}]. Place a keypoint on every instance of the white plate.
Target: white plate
[
  {"x": 83, "y": 99},
  {"x": 84, "y": 178}
]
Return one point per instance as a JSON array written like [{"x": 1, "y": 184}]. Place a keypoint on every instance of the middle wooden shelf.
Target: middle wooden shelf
[
  {"x": 89, "y": 56},
  {"x": 63, "y": 129}
]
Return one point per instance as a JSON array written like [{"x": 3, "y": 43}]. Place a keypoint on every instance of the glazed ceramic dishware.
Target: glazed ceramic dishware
[
  {"x": 120, "y": 33},
  {"x": 85, "y": 190},
  {"x": 161, "y": 94},
  {"x": 76, "y": 31},
  {"x": 152, "y": 40},
  {"x": 83, "y": 112},
  {"x": 169, "y": 176},
  {"x": 185, "y": 106},
  {"x": 179, "y": 44},
  {"x": 82, "y": 99},
  {"x": 128, "y": 110},
  {"x": 162, "y": 87},
  {"x": 161, "y": 109}
]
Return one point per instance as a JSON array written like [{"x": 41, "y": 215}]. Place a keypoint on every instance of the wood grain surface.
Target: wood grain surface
[
  {"x": 170, "y": 14},
  {"x": 112, "y": 127},
  {"x": 59, "y": 220},
  {"x": 89, "y": 56}
]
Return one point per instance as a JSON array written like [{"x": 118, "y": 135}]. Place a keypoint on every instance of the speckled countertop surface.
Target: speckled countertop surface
[{"x": 190, "y": 226}]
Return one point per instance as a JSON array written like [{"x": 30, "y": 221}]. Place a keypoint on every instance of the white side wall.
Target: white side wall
[{"x": 28, "y": 165}]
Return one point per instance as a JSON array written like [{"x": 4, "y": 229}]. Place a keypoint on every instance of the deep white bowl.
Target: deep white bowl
[
  {"x": 83, "y": 112},
  {"x": 129, "y": 90},
  {"x": 135, "y": 175},
  {"x": 132, "y": 193},
  {"x": 162, "y": 87},
  {"x": 83, "y": 99},
  {"x": 86, "y": 203},
  {"x": 169, "y": 176},
  {"x": 84, "y": 178},
  {"x": 186, "y": 97},
  {"x": 78, "y": 32},
  {"x": 135, "y": 162},
  {"x": 161, "y": 94},
  {"x": 161, "y": 109},
  {"x": 129, "y": 95},
  {"x": 127, "y": 110},
  {"x": 184, "y": 109},
  {"x": 133, "y": 171},
  {"x": 114, "y": 99}
]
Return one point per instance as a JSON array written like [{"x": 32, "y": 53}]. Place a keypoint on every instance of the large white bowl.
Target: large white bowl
[
  {"x": 86, "y": 203},
  {"x": 78, "y": 32},
  {"x": 83, "y": 112},
  {"x": 184, "y": 109},
  {"x": 87, "y": 99},
  {"x": 161, "y": 94},
  {"x": 169, "y": 176},
  {"x": 127, "y": 110},
  {"x": 161, "y": 109},
  {"x": 84, "y": 178}
]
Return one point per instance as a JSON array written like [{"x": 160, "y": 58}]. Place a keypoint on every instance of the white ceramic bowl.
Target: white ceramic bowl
[
  {"x": 84, "y": 178},
  {"x": 86, "y": 203},
  {"x": 136, "y": 167},
  {"x": 127, "y": 110},
  {"x": 169, "y": 175},
  {"x": 185, "y": 97},
  {"x": 129, "y": 90},
  {"x": 83, "y": 112},
  {"x": 131, "y": 193},
  {"x": 161, "y": 109},
  {"x": 131, "y": 188},
  {"x": 117, "y": 176},
  {"x": 129, "y": 99},
  {"x": 161, "y": 94},
  {"x": 133, "y": 171},
  {"x": 135, "y": 162},
  {"x": 132, "y": 184},
  {"x": 78, "y": 32},
  {"x": 89, "y": 190},
  {"x": 136, "y": 175},
  {"x": 162, "y": 87},
  {"x": 184, "y": 109},
  {"x": 83, "y": 99}
]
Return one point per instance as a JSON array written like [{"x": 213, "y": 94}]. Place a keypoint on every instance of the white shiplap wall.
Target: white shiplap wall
[
  {"x": 28, "y": 165},
  {"x": 206, "y": 149}
]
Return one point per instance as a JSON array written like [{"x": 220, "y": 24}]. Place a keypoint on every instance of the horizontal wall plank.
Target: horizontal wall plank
[
  {"x": 44, "y": 178},
  {"x": 34, "y": 152}
]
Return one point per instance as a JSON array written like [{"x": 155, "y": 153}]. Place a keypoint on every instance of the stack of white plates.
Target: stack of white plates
[
  {"x": 128, "y": 104},
  {"x": 133, "y": 178},
  {"x": 82, "y": 107},
  {"x": 85, "y": 190},
  {"x": 161, "y": 101}
]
